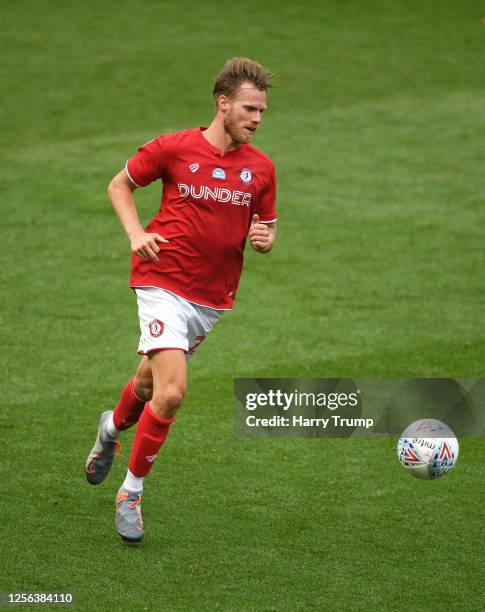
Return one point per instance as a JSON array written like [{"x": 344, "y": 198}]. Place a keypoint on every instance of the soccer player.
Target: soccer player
[{"x": 218, "y": 192}]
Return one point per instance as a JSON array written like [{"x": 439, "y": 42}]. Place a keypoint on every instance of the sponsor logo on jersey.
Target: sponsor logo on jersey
[
  {"x": 216, "y": 194},
  {"x": 194, "y": 167},
  {"x": 219, "y": 173},
  {"x": 156, "y": 328},
  {"x": 246, "y": 176}
]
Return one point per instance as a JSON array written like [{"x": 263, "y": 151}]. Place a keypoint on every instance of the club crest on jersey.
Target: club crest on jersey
[
  {"x": 194, "y": 167},
  {"x": 246, "y": 176},
  {"x": 218, "y": 173},
  {"x": 156, "y": 328}
]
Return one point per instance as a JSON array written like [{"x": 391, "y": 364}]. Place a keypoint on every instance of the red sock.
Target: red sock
[
  {"x": 151, "y": 432},
  {"x": 129, "y": 408}
]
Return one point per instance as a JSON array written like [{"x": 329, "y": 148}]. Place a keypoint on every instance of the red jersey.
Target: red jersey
[{"x": 208, "y": 201}]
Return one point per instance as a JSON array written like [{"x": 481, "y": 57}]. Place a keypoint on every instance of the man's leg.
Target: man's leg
[
  {"x": 169, "y": 374},
  {"x": 136, "y": 393},
  {"x": 111, "y": 423}
]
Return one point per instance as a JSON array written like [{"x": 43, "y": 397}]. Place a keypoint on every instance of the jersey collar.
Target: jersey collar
[{"x": 214, "y": 150}]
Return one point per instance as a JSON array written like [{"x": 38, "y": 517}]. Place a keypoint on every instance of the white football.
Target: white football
[{"x": 428, "y": 448}]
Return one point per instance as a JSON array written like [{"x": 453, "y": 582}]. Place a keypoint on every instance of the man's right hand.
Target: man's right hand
[{"x": 145, "y": 245}]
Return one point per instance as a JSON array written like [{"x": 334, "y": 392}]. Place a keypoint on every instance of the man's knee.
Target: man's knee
[{"x": 165, "y": 402}]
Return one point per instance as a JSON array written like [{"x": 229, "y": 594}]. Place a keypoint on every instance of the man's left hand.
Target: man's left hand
[{"x": 260, "y": 235}]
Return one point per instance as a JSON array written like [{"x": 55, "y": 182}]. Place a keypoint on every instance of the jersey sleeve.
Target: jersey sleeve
[
  {"x": 266, "y": 205},
  {"x": 149, "y": 164}
]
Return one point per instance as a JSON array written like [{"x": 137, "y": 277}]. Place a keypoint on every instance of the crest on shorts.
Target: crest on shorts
[
  {"x": 156, "y": 328},
  {"x": 246, "y": 176}
]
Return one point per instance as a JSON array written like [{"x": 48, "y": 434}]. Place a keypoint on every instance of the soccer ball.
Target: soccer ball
[{"x": 428, "y": 448}]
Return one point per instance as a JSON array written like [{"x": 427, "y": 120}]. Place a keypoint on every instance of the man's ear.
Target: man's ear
[{"x": 223, "y": 103}]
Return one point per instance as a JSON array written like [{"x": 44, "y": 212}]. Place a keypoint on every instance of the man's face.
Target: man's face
[{"x": 243, "y": 113}]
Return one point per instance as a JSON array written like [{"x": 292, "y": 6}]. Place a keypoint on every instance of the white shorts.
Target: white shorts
[{"x": 167, "y": 321}]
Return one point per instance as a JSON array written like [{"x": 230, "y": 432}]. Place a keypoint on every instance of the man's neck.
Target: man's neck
[{"x": 217, "y": 136}]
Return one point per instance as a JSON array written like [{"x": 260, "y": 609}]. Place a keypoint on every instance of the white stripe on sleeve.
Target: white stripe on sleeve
[{"x": 129, "y": 176}]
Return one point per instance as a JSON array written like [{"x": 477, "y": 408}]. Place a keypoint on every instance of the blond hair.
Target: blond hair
[{"x": 237, "y": 71}]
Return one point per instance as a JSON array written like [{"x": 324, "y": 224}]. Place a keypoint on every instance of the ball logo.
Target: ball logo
[
  {"x": 445, "y": 452},
  {"x": 408, "y": 455},
  {"x": 156, "y": 328},
  {"x": 246, "y": 176}
]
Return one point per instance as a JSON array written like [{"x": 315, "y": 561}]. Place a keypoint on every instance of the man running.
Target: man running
[{"x": 218, "y": 192}]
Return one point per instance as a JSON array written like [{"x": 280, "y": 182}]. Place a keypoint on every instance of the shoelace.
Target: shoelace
[{"x": 123, "y": 496}]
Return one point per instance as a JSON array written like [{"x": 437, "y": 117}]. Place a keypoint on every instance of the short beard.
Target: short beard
[{"x": 236, "y": 136}]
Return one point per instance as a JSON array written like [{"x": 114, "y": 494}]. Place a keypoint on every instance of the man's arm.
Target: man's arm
[
  {"x": 261, "y": 235},
  {"x": 120, "y": 193}
]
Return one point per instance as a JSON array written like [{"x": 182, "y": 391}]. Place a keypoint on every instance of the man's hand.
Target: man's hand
[
  {"x": 145, "y": 245},
  {"x": 261, "y": 235}
]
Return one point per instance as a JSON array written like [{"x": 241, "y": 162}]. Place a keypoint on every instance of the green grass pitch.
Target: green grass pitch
[{"x": 376, "y": 128}]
